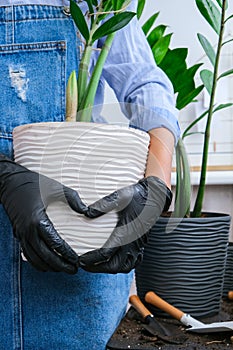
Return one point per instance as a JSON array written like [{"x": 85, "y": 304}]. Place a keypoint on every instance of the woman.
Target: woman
[{"x": 39, "y": 47}]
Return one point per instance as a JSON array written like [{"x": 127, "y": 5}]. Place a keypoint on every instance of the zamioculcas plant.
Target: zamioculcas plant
[
  {"x": 171, "y": 61},
  {"x": 92, "y": 26},
  {"x": 215, "y": 13}
]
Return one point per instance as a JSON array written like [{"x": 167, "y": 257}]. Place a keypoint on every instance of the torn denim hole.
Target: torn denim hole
[{"x": 19, "y": 81}]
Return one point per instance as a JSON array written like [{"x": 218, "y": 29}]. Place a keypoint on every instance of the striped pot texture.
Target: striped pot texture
[
  {"x": 94, "y": 159},
  {"x": 228, "y": 277},
  {"x": 184, "y": 263}
]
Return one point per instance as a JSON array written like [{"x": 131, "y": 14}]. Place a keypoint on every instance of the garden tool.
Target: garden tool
[
  {"x": 153, "y": 326},
  {"x": 187, "y": 320}
]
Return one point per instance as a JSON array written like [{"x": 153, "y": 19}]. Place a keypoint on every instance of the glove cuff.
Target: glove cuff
[
  {"x": 169, "y": 197},
  {"x": 155, "y": 181}
]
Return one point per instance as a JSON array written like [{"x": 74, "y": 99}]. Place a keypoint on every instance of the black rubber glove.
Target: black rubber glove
[
  {"x": 138, "y": 207},
  {"x": 25, "y": 196}
]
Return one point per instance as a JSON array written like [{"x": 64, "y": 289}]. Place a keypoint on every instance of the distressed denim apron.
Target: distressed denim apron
[{"x": 40, "y": 311}]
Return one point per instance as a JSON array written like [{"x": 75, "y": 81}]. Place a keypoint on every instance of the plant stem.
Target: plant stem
[
  {"x": 201, "y": 190},
  {"x": 84, "y": 65},
  {"x": 83, "y": 73},
  {"x": 85, "y": 109},
  {"x": 183, "y": 182}
]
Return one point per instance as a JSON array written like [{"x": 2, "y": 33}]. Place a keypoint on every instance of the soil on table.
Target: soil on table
[{"x": 132, "y": 335}]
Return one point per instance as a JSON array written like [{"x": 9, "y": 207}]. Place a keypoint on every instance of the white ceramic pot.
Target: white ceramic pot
[{"x": 94, "y": 159}]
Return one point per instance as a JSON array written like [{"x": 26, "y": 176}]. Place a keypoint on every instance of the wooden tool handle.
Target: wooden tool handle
[
  {"x": 230, "y": 295},
  {"x": 155, "y": 300},
  {"x": 138, "y": 305}
]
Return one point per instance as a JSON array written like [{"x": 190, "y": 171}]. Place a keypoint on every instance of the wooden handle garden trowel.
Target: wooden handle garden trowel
[
  {"x": 154, "y": 327},
  {"x": 187, "y": 320}
]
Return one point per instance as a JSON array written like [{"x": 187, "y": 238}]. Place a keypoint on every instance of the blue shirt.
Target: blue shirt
[{"x": 145, "y": 93}]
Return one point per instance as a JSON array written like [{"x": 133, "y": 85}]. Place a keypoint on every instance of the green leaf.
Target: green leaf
[
  {"x": 160, "y": 48},
  {"x": 174, "y": 63},
  {"x": 156, "y": 34},
  {"x": 227, "y": 19},
  {"x": 184, "y": 99},
  {"x": 114, "y": 24},
  {"x": 182, "y": 78},
  {"x": 95, "y": 2},
  {"x": 140, "y": 8},
  {"x": 228, "y": 72},
  {"x": 194, "y": 122},
  {"x": 71, "y": 97},
  {"x": 222, "y": 106},
  {"x": 149, "y": 23},
  {"x": 219, "y": 2},
  {"x": 117, "y": 4},
  {"x": 185, "y": 80},
  {"x": 207, "y": 48},
  {"x": 90, "y": 7},
  {"x": 207, "y": 79},
  {"x": 79, "y": 19},
  {"x": 211, "y": 13},
  {"x": 227, "y": 41}
]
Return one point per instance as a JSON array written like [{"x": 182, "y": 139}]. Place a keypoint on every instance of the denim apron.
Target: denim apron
[{"x": 39, "y": 48}]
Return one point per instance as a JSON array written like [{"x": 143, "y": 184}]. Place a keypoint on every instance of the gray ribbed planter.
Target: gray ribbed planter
[
  {"x": 228, "y": 277},
  {"x": 184, "y": 263}
]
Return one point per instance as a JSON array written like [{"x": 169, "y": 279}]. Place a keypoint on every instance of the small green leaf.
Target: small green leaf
[
  {"x": 71, "y": 98},
  {"x": 114, "y": 24},
  {"x": 225, "y": 74},
  {"x": 227, "y": 19},
  {"x": 207, "y": 79},
  {"x": 79, "y": 19},
  {"x": 194, "y": 122},
  {"x": 207, "y": 48},
  {"x": 149, "y": 23},
  {"x": 95, "y": 2},
  {"x": 161, "y": 47},
  {"x": 156, "y": 34},
  {"x": 210, "y": 12},
  {"x": 222, "y": 106},
  {"x": 140, "y": 8}
]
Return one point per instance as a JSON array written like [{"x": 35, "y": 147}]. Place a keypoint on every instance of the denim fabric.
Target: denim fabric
[
  {"x": 45, "y": 310},
  {"x": 34, "y": 71}
]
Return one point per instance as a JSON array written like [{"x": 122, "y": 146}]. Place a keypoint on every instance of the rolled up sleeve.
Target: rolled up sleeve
[{"x": 145, "y": 93}]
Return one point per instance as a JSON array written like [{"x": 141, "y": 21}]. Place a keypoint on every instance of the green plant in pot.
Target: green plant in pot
[
  {"x": 94, "y": 159},
  {"x": 81, "y": 93},
  {"x": 185, "y": 257}
]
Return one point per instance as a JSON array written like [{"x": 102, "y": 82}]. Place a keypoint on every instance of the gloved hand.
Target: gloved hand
[
  {"x": 138, "y": 207},
  {"x": 25, "y": 196}
]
